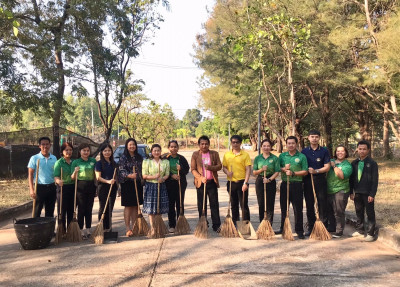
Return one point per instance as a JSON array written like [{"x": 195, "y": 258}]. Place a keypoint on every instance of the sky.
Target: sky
[{"x": 167, "y": 66}]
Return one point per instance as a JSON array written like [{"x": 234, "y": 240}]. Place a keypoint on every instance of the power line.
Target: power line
[{"x": 163, "y": 66}]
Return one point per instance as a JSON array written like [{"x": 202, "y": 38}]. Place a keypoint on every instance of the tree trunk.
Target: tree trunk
[
  {"x": 386, "y": 148},
  {"x": 364, "y": 122},
  {"x": 327, "y": 120},
  {"x": 292, "y": 96}
]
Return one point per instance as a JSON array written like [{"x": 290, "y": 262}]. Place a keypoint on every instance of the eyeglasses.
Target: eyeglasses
[{"x": 235, "y": 142}]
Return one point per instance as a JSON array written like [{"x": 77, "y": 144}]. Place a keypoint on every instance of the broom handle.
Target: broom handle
[
  {"x": 76, "y": 190},
  {"x": 137, "y": 196},
  {"x": 315, "y": 198},
  {"x": 287, "y": 188},
  {"x": 61, "y": 194},
  {"x": 158, "y": 190},
  {"x": 180, "y": 194},
  {"x": 230, "y": 192},
  {"x": 265, "y": 195},
  {"x": 204, "y": 196},
  {"x": 108, "y": 196},
  {"x": 36, "y": 184}
]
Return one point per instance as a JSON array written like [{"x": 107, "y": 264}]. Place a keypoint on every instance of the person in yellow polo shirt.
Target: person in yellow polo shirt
[{"x": 237, "y": 166}]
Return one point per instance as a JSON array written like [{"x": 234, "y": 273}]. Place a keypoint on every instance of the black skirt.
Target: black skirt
[{"x": 128, "y": 193}]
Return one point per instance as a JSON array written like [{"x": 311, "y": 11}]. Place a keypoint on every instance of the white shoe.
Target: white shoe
[
  {"x": 369, "y": 238},
  {"x": 171, "y": 230},
  {"x": 356, "y": 234}
]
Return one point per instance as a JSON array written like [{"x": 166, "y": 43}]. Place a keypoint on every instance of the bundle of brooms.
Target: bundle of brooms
[
  {"x": 287, "y": 228},
  {"x": 182, "y": 225},
  {"x": 228, "y": 228},
  {"x": 60, "y": 224},
  {"x": 73, "y": 231},
  {"x": 140, "y": 227},
  {"x": 319, "y": 231},
  {"x": 265, "y": 230},
  {"x": 98, "y": 234},
  {"x": 159, "y": 226}
]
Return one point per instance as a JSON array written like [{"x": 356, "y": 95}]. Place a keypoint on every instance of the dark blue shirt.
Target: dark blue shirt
[
  {"x": 106, "y": 169},
  {"x": 316, "y": 158}
]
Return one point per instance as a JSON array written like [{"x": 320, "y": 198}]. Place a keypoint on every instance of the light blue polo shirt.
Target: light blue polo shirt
[{"x": 46, "y": 168}]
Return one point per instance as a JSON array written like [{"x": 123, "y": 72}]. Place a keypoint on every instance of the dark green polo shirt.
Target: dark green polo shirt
[
  {"x": 66, "y": 168},
  {"x": 86, "y": 168},
  {"x": 272, "y": 163},
  {"x": 298, "y": 162}
]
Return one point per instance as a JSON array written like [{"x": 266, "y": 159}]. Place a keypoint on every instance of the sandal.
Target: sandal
[{"x": 129, "y": 233}]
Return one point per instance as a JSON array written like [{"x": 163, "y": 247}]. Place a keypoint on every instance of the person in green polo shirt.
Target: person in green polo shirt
[
  {"x": 338, "y": 189},
  {"x": 267, "y": 163},
  {"x": 66, "y": 182},
  {"x": 294, "y": 167},
  {"x": 86, "y": 190}
]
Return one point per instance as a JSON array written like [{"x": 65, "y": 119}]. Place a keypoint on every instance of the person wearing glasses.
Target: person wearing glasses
[
  {"x": 176, "y": 162},
  {"x": 46, "y": 193},
  {"x": 237, "y": 166}
]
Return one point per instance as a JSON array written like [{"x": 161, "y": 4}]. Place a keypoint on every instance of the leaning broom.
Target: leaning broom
[
  {"x": 287, "y": 229},
  {"x": 73, "y": 230},
  {"x": 319, "y": 231},
  {"x": 60, "y": 224},
  {"x": 98, "y": 234},
  {"x": 182, "y": 225},
  {"x": 228, "y": 228},
  {"x": 265, "y": 230},
  {"x": 140, "y": 227},
  {"x": 201, "y": 230}
]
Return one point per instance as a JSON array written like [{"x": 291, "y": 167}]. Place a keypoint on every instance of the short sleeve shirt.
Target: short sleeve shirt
[
  {"x": 86, "y": 168},
  {"x": 173, "y": 161},
  {"x": 66, "y": 170},
  {"x": 336, "y": 184},
  {"x": 106, "y": 169},
  {"x": 298, "y": 162},
  {"x": 316, "y": 158},
  {"x": 150, "y": 167},
  {"x": 272, "y": 163},
  {"x": 46, "y": 167},
  {"x": 238, "y": 162}
]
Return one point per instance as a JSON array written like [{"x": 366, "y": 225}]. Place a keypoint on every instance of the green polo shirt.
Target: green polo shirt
[
  {"x": 173, "y": 161},
  {"x": 272, "y": 163},
  {"x": 298, "y": 162},
  {"x": 86, "y": 168},
  {"x": 66, "y": 168},
  {"x": 336, "y": 184}
]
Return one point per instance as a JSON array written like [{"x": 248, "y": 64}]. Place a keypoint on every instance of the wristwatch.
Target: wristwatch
[{"x": 246, "y": 183}]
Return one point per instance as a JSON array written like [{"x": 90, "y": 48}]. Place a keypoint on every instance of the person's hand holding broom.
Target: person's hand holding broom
[
  {"x": 265, "y": 230},
  {"x": 287, "y": 228}
]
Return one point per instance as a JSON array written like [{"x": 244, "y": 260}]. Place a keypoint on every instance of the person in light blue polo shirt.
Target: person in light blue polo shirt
[{"x": 46, "y": 190}]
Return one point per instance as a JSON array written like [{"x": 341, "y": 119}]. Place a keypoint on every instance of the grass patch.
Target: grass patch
[{"x": 13, "y": 192}]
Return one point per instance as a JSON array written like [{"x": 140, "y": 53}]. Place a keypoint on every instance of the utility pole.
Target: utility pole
[
  {"x": 91, "y": 108},
  {"x": 229, "y": 136},
  {"x": 259, "y": 121}
]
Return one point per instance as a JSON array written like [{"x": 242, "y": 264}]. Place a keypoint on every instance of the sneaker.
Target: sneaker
[
  {"x": 337, "y": 234},
  {"x": 171, "y": 230},
  {"x": 278, "y": 231},
  {"x": 369, "y": 238},
  {"x": 356, "y": 234},
  {"x": 300, "y": 236},
  {"x": 308, "y": 233}
]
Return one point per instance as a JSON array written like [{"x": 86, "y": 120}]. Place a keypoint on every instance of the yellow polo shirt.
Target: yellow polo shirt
[{"x": 238, "y": 162}]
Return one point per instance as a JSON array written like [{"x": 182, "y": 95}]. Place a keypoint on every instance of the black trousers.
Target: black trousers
[
  {"x": 67, "y": 212},
  {"x": 85, "y": 198},
  {"x": 212, "y": 194},
  {"x": 362, "y": 206},
  {"x": 322, "y": 198},
  {"x": 271, "y": 192},
  {"x": 102, "y": 191},
  {"x": 46, "y": 196},
  {"x": 296, "y": 198},
  {"x": 337, "y": 203},
  {"x": 174, "y": 201},
  {"x": 237, "y": 200}
]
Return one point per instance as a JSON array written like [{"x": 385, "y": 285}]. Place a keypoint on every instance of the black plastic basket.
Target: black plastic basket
[{"x": 34, "y": 233}]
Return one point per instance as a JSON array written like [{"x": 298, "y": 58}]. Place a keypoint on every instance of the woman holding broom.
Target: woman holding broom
[
  {"x": 268, "y": 163},
  {"x": 83, "y": 168},
  {"x": 130, "y": 170},
  {"x": 66, "y": 182},
  {"x": 104, "y": 176},
  {"x": 155, "y": 172},
  {"x": 176, "y": 162}
]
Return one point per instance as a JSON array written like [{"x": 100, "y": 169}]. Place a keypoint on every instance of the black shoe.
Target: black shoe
[
  {"x": 337, "y": 234},
  {"x": 307, "y": 233},
  {"x": 218, "y": 230},
  {"x": 278, "y": 231},
  {"x": 301, "y": 236}
]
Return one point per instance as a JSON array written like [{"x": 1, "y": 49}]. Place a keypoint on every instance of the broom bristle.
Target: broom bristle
[
  {"x": 98, "y": 234},
  {"x": 159, "y": 227},
  {"x": 74, "y": 232},
  {"x": 140, "y": 227},
  {"x": 319, "y": 231},
  {"x": 201, "y": 230},
  {"x": 182, "y": 226},
  {"x": 60, "y": 233},
  {"x": 287, "y": 230},
  {"x": 228, "y": 228},
  {"x": 265, "y": 230}
]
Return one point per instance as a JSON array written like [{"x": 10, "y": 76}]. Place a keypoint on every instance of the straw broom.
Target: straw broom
[
  {"x": 98, "y": 234},
  {"x": 319, "y": 231},
  {"x": 140, "y": 227},
  {"x": 201, "y": 230},
  {"x": 265, "y": 230},
  {"x": 182, "y": 225},
  {"x": 287, "y": 229},
  {"x": 60, "y": 225},
  {"x": 36, "y": 184},
  {"x": 158, "y": 224},
  {"x": 73, "y": 230},
  {"x": 228, "y": 228}
]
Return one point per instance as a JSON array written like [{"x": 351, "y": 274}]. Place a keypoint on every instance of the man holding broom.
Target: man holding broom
[
  {"x": 46, "y": 189},
  {"x": 318, "y": 160},
  {"x": 205, "y": 164},
  {"x": 293, "y": 168}
]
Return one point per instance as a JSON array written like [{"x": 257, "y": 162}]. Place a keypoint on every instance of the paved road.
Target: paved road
[{"x": 188, "y": 261}]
